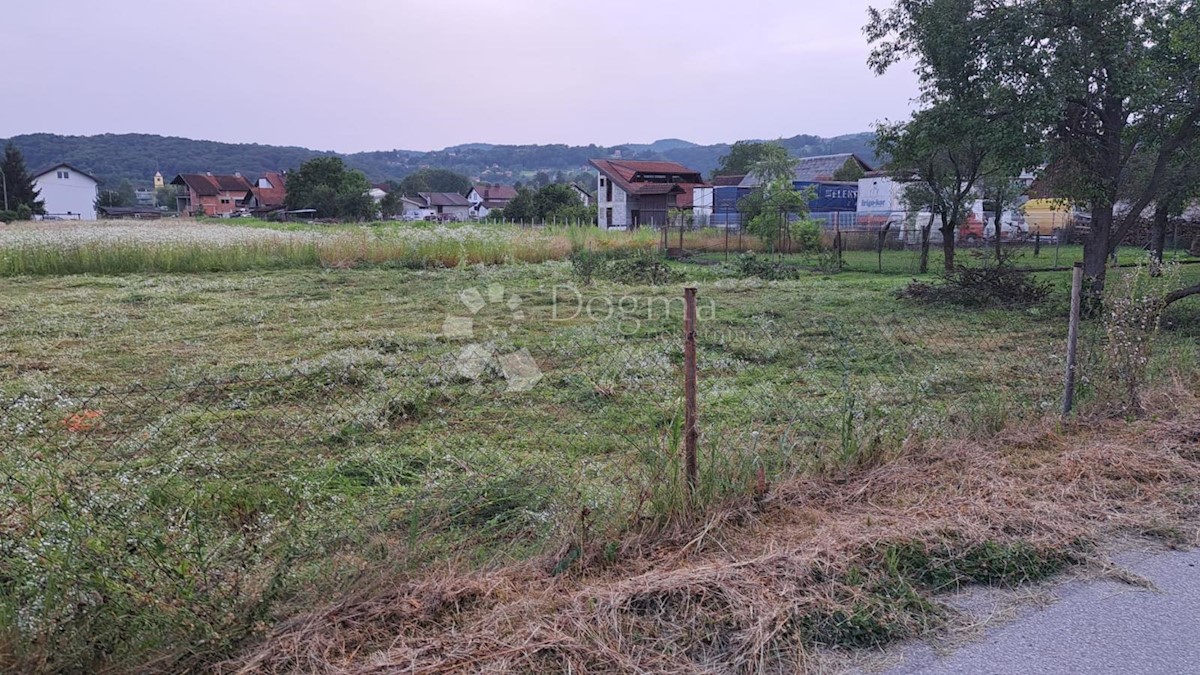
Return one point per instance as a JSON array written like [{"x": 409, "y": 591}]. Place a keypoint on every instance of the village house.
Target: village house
[
  {"x": 584, "y": 196},
  {"x": 67, "y": 192},
  {"x": 636, "y": 193},
  {"x": 412, "y": 208},
  {"x": 444, "y": 205},
  {"x": 210, "y": 195},
  {"x": 267, "y": 194},
  {"x": 487, "y": 198}
]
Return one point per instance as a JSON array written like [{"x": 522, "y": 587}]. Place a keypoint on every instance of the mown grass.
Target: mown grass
[{"x": 265, "y": 436}]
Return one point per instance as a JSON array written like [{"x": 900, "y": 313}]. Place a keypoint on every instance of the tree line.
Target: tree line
[{"x": 1103, "y": 97}]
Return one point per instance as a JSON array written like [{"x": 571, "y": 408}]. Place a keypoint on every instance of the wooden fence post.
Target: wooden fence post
[
  {"x": 691, "y": 432},
  {"x": 1073, "y": 337}
]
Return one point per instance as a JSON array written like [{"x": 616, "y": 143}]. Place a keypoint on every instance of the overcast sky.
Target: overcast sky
[{"x": 357, "y": 75}]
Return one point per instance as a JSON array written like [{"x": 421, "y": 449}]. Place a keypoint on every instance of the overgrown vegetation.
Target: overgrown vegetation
[
  {"x": 994, "y": 282},
  {"x": 749, "y": 265}
]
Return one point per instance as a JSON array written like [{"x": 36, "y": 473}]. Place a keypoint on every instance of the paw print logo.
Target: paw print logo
[{"x": 520, "y": 370}]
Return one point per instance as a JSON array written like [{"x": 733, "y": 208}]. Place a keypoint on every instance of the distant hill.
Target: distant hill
[{"x": 116, "y": 157}]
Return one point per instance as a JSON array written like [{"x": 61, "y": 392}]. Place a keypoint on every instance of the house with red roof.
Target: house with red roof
[
  {"x": 267, "y": 194},
  {"x": 210, "y": 195},
  {"x": 633, "y": 193}
]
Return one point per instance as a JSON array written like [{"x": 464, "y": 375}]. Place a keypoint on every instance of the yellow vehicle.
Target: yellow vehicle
[{"x": 1046, "y": 216}]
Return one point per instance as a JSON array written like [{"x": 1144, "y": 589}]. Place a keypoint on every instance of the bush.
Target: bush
[
  {"x": 7, "y": 216},
  {"x": 585, "y": 263},
  {"x": 749, "y": 265},
  {"x": 641, "y": 269},
  {"x": 994, "y": 283},
  {"x": 24, "y": 212}
]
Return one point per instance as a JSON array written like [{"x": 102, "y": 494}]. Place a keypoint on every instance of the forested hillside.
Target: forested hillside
[{"x": 135, "y": 157}]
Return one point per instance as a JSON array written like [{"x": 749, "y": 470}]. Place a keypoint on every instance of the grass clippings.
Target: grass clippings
[{"x": 854, "y": 560}]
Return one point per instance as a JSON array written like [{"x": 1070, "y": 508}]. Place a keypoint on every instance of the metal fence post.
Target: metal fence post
[
  {"x": 1073, "y": 337},
  {"x": 691, "y": 433}
]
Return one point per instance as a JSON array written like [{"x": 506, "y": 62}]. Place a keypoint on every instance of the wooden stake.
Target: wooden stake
[
  {"x": 691, "y": 433},
  {"x": 1073, "y": 337}
]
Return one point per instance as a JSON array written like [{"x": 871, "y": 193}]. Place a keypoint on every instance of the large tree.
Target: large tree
[
  {"x": 325, "y": 184},
  {"x": 122, "y": 195},
  {"x": 18, "y": 184},
  {"x": 743, "y": 156},
  {"x": 434, "y": 180},
  {"x": 1102, "y": 80},
  {"x": 941, "y": 154}
]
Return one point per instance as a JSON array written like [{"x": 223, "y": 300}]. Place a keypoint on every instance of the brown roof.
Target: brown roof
[
  {"x": 208, "y": 185},
  {"x": 631, "y": 175},
  {"x": 274, "y": 195},
  {"x": 494, "y": 193},
  {"x": 728, "y": 181}
]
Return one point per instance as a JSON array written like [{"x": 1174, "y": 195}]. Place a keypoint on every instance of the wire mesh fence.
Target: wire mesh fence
[
  {"x": 176, "y": 515},
  {"x": 892, "y": 248}
]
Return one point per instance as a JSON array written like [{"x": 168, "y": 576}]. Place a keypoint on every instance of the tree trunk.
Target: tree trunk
[
  {"x": 925, "y": 245},
  {"x": 999, "y": 217},
  {"x": 1158, "y": 238},
  {"x": 1095, "y": 256},
  {"x": 948, "y": 245}
]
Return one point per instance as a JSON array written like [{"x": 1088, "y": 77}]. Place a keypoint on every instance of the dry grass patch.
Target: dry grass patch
[{"x": 847, "y": 561}]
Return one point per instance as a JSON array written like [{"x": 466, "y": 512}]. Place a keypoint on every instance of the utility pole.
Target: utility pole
[{"x": 5, "y": 179}]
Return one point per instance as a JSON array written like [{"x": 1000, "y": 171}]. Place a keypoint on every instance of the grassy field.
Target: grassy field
[{"x": 192, "y": 456}]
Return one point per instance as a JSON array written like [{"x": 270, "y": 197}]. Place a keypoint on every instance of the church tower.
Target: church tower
[{"x": 158, "y": 179}]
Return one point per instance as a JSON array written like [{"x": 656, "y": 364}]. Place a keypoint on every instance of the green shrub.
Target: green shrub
[
  {"x": 642, "y": 269},
  {"x": 749, "y": 265}
]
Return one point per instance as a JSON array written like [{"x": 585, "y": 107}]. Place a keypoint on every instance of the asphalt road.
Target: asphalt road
[{"x": 1097, "y": 628}]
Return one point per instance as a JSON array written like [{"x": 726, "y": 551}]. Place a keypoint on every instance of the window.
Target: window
[
  {"x": 224, "y": 201},
  {"x": 608, "y": 186},
  {"x": 607, "y": 218},
  {"x": 64, "y": 175}
]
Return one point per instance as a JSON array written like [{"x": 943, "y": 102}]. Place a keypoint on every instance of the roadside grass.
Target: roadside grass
[
  {"x": 773, "y": 582},
  {"x": 266, "y": 438}
]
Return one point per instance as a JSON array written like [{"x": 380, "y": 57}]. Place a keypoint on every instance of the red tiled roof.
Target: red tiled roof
[
  {"x": 231, "y": 183},
  {"x": 275, "y": 195}
]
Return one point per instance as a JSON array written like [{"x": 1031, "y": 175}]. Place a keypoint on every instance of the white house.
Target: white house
[
  {"x": 415, "y": 209},
  {"x": 584, "y": 195},
  {"x": 487, "y": 198},
  {"x": 67, "y": 192}
]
